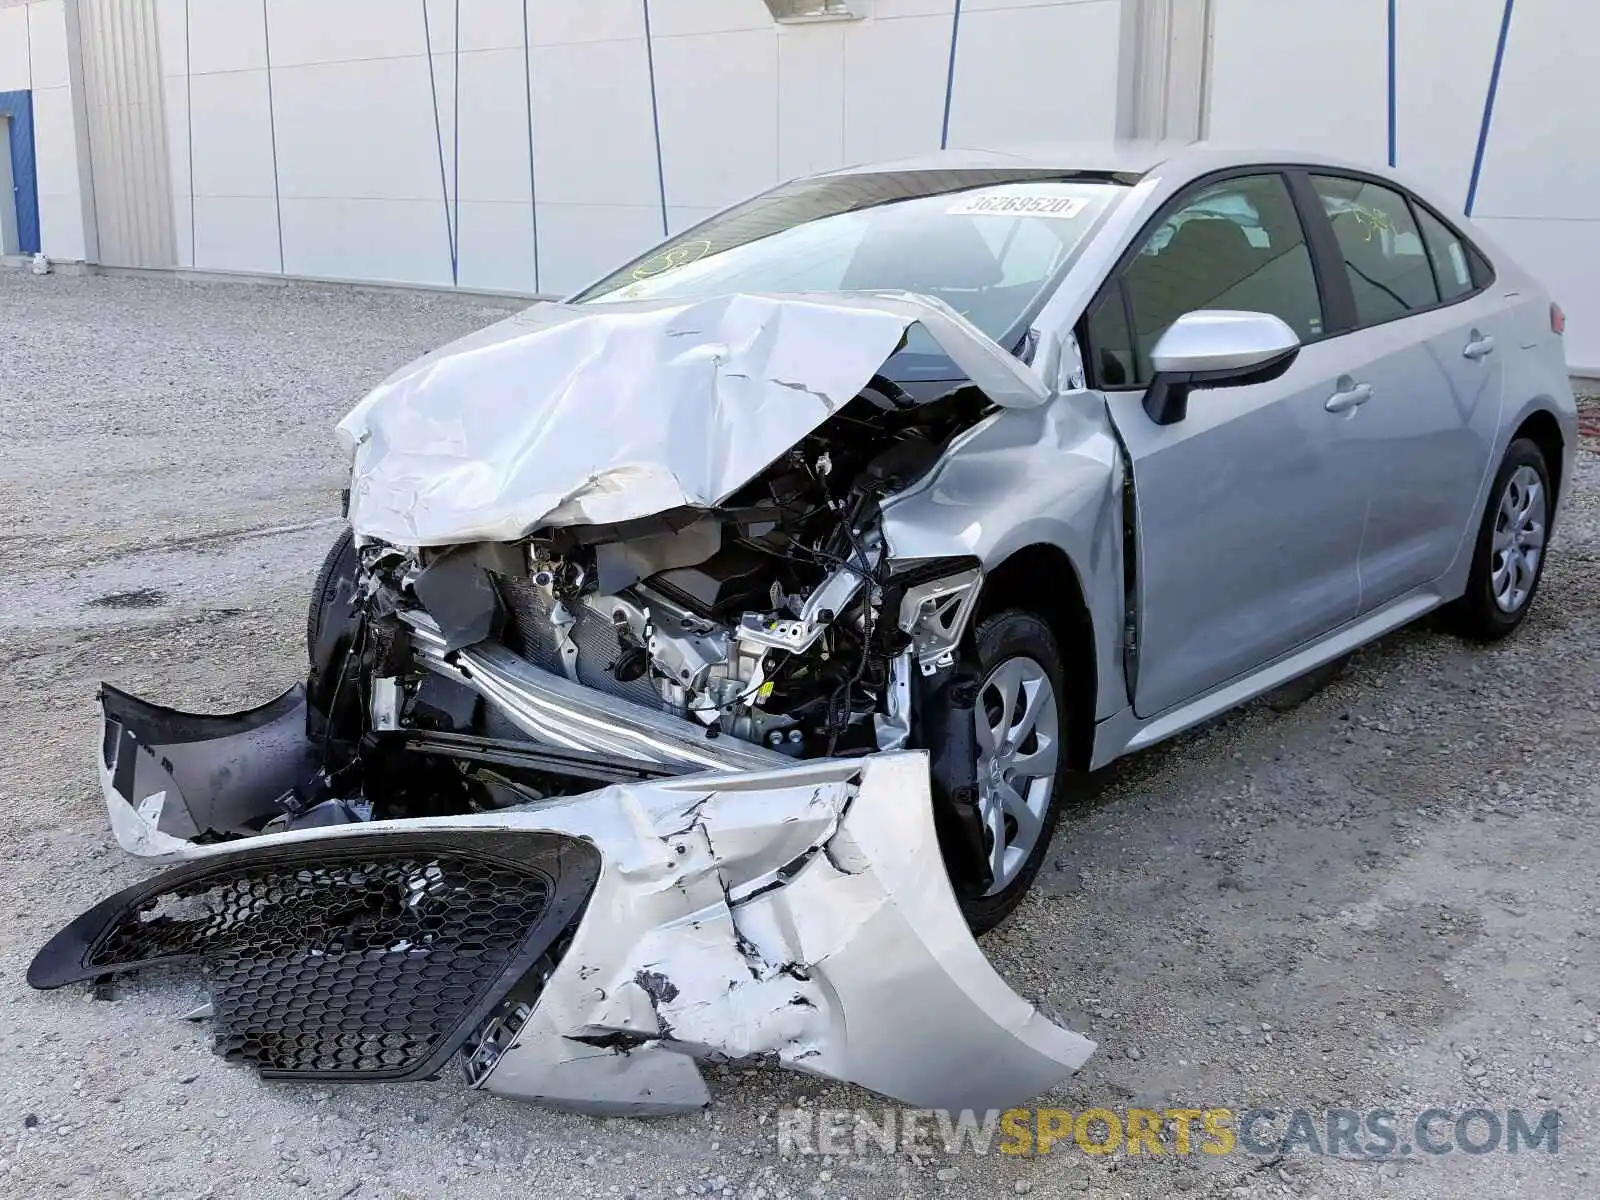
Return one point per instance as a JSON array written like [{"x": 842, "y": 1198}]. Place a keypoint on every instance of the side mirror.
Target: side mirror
[{"x": 1215, "y": 348}]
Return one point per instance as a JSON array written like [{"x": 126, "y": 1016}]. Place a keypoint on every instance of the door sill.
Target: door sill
[{"x": 1124, "y": 732}]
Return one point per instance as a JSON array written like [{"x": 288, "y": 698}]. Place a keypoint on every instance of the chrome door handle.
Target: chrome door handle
[
  {"x": 1479, "y": 348},
  {"x": 1353, "y": 398}
]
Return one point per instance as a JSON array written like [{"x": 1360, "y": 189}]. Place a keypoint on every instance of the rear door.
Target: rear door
[
  {"x": 1428, "y": 345},
  {"x": 1250, "y": 508}
]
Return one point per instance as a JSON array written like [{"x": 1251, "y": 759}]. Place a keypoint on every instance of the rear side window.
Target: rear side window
[
  {"x": 1384, "y": 256},
  {"x": 1452, "y": 261},
  {"x": 1237, "y": 244}
]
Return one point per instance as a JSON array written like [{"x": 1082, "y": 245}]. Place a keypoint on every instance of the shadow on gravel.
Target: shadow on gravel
[{"x": 138, "y": 598}]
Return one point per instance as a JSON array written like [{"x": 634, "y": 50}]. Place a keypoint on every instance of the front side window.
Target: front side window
[
  {"x": 1234, "y": 245},
  {"x": 989, "y": 243},
  {"x": 1384, "y": 258}
]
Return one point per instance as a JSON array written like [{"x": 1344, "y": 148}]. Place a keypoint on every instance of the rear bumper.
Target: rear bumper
[{"x": 800, "y": 913}]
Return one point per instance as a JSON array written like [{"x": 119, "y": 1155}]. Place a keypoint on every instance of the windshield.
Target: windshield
[{"x": 988, "y": 243}]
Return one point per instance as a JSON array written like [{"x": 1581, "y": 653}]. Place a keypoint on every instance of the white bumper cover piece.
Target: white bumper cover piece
[{"x": 801, "y": 913}]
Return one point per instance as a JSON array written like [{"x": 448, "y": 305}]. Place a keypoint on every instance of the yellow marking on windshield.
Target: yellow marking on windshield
[{"x": 672, "y": 258}]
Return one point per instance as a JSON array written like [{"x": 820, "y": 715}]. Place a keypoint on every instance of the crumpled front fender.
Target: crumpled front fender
[{"x": 850, "y": 960}]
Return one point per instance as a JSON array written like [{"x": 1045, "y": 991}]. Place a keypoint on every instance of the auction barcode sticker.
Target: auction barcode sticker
[{"x": 1017, "y": 204}]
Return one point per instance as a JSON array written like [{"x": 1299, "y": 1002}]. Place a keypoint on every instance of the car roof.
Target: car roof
[{"x": 1136, "y": 158}]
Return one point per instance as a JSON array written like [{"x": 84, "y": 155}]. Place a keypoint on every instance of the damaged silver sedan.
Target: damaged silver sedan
[{"x": 709, "y": 654}]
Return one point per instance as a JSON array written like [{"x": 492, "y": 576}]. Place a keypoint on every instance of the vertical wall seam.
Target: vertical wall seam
[
  {"x": 96, "y": 81},
  {"x": 950, "y": 76},
  {"x": 438, "y": 139},
  {"x": 1164, "y": 100},
  {"x": 777, "y": 101},
  {"x": 655, "y": 116},
  {"x": 125, "y": 218},
  {"x": 188, "y": 129},
  {"x": 1488, "y": 106},
  {"x": 533, "y": 189},
  {"x": 154, "y": 137},
  {"x": 272, "y": 133},
  {"x": 150, "y": 152},
  {"x": 92, "y": 182},
  {"x": 455, "y": 132},
  {"x": 128, "y": 151},
  {"x": 162, "y": 220},
  {"x": 1393, "y": 20}
]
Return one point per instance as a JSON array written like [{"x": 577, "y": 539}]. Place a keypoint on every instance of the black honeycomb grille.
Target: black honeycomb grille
[{"x": 360, "y": 963}]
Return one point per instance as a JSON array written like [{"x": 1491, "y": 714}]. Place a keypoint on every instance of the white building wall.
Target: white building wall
[
  {"x": 562, "y": 136},
  {"x": 125, "y": 130},
  {"x": 16, "y": 72},
  {"x": 1315, "y": 74},
  {"x": 1035, "y": 73},
  {"x": 34, "y": 56},
  {"x": 311, "y": 137},
  {"x": 1301, "y": 74},
  {"x": 1539, "y": 193}
]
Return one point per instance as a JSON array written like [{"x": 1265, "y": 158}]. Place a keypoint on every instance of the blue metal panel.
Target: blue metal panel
[
  {"x": 1488, "y": 107},
  {"x": 950, "y": 76},
  {"x": 655, "y": 117},
  {"x": 1393, "y": 126},
  {"x": 533, "y": 188},
  {"x": 18, "y": 106},
  {"x": 438, "y": 137}
]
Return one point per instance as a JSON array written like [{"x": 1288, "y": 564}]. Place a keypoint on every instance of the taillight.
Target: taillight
[{"x": 1558, "y": 319}]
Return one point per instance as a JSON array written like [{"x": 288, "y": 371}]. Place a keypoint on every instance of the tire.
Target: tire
[
  {"x": 1494, "y": 603},
  {"x": 1017, "y": 647},
  {"x": 339, "y": 565}
]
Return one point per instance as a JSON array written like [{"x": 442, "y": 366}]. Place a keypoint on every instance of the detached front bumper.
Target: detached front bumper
[{"x": 584, "y": 951}]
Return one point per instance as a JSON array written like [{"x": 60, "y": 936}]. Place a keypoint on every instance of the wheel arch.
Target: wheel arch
[
  {"x": 1042, "y": 579},
  {"x": 1543, "y": 429}
]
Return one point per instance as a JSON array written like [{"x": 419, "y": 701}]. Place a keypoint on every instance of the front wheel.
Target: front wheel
[
  {"x": 1021, "y": 720},
  {"x": 1508, "y": 558},
  {"x": 337, "y": 574}
]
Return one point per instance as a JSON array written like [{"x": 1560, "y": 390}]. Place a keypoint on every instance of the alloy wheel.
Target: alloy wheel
[
  {"x": 1519, "y": 532},
  {"x": 1019, "y": 744}
]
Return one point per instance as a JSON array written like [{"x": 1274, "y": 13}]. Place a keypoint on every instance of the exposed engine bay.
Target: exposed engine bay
[{"x": 774, "y": 619}]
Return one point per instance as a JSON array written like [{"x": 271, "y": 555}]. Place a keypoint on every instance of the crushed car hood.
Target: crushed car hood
[{"x": 600, "y": 413}]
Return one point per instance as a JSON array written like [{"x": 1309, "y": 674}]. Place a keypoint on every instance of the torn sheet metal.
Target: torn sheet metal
[
  {"x": 849, "y": 960},
  {"x": 600, "y": 413},
  {"x": 800, "y": 914}
]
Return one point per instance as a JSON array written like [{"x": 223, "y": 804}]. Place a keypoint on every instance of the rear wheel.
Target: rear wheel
[
  {"x": 1021, "y": 720},
  {"x": 1508, "y": 559}
]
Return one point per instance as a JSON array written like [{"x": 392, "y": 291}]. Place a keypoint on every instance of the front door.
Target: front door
[{"x": 1250, "y": 508}]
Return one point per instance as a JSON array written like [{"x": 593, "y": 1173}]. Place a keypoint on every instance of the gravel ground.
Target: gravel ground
[{"x": 1381, "y": 897}]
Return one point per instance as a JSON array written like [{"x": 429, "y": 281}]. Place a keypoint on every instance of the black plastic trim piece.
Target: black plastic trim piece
[
  {"x": 945, "y": 726},
  {"x": 173, "y": 726},
  {"x": 1166, "y": 400}
]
